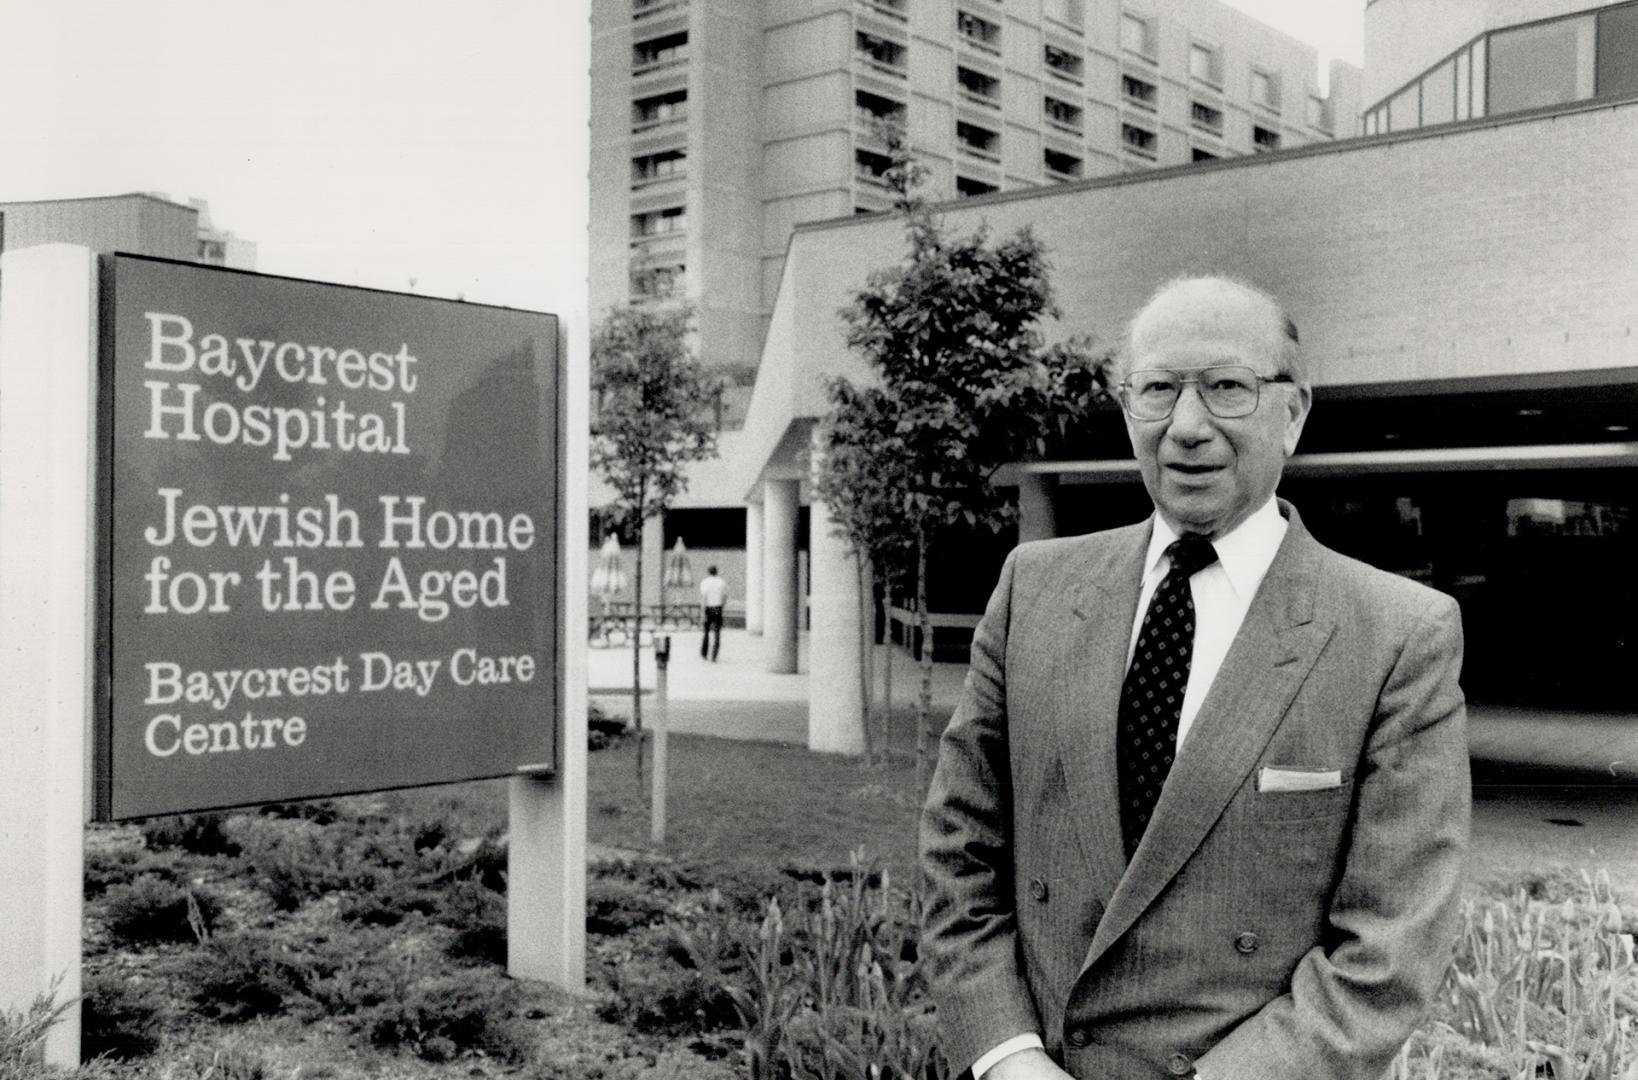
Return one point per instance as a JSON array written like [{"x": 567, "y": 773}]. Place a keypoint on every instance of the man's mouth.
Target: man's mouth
[{"x": 1192, "y": 469}]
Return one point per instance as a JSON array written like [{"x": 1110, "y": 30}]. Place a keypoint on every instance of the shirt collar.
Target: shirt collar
[{"x": 1245, "y": 553}]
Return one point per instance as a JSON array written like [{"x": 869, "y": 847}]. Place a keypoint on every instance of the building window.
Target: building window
[
  {"x": 1206, "y": 117},
  {"x": 967, "y": 187},
  {"x": 659, "y": 109},
  {"x": 1617, "y": 52},
  {"x": 871, "y": 109},
  {"x": 879, "y": 53},
  {"x": 1264, "y": 139},
  {"x": 1060, "y": 165},
  {"x": 1265, "y": 89},
  {"x": 659, "y": 222},
  {"x": 656, "y": 282},
  {"x": 1062, "y": 113},
  {"x": 1138, "y": 91},
  {"x": 898, "y": 9},
  {"x": 1063, "y": 63},
  {"x": 1139, "y": 140},
  {"x": 871, "y": 167},
  {"x": 664, "y": 166},
  {"x": 1206, "y": 63},
  {"x": 979, "y": 88},
  {"x": 1137, "y": 35},
  {"x": 1199, "y": 154},
  {"x": 1319, "y": 112},
  {"x": 661, "y": 50},
  {"x": 1540, "y": 64},
  {"x": 979, "y": 33},
  {"x": 978, "y": 141},
  {"x": 1439, "y": 95}
]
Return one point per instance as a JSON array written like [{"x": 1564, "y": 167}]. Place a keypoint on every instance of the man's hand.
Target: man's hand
[{"x": 1031, "y": 1064}]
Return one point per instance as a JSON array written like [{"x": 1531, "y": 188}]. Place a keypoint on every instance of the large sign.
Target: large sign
[{"x": 331, "y": 557}]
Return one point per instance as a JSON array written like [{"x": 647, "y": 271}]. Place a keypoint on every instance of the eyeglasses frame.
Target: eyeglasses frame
[{"x": 1125, "y": 385}]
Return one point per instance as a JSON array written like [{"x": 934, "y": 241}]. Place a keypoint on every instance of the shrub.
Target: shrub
[
  {"x": 603, "y": 729},
  {"x": 152, "y": 910},
  {"x": 200, "y": 834},
  {"x": 296, "y": 860},
  {"x": 22, "y": 1036},
  {"x": 241, "y": 975},
  {"x": 616, "y": 905},
  {"x": 440, "y": 1016},
  {"x": 230, "y": 1062},
  {"x": 120, "y": 1016},
  {"x": 477, "y": 915}
]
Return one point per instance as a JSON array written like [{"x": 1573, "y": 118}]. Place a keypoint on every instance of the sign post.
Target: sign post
[
  {"x": 662, "y": 661},
  {"x": 48, "y": 320}
]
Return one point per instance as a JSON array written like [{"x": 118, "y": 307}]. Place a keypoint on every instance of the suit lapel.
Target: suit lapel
[
  {"x": 1271, "y": 656},
  {"x": 1103, "y": 600}
]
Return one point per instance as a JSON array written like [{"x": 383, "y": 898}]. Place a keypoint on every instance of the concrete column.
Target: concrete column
[
  {"x": 836, "y": 716},
  {"x": 1037, "y": 503},
  {"x": 653, "y": 556},
  {"x": 753, "y": 567},
  {"x": 779, "y": 599}
]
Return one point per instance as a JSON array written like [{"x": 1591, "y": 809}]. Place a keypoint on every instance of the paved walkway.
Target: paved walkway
[{"x": 738, "y": 698}]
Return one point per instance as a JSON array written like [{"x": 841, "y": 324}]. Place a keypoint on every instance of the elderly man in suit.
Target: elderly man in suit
[{"x": 1203, "y": 807}]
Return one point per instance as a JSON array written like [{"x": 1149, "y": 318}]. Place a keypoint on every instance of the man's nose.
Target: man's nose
[{"x": 1191, "y": 420}]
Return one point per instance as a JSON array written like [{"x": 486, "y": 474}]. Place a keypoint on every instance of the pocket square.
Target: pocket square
[{"x": 1297, "y": 778}]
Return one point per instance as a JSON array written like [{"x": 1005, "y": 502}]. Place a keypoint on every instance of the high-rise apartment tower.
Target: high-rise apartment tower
[{"x": 718, "y": 126}]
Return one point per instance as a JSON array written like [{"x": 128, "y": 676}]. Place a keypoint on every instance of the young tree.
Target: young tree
[
  {"x": 651, "y": 417},
  {"x": 952, "y": 334},
  {"x": 858, "y": 481}
]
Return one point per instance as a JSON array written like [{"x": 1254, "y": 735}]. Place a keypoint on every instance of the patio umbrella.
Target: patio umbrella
[
  {"x": 608, "y": 579},
  {"x": 678, "y": 573}
]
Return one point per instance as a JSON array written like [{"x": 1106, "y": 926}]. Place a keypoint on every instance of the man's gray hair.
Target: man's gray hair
[{"x": 1289, "y": 361}]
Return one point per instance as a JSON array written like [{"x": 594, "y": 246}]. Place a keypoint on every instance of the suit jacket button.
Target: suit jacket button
[
  {"x": 1179, "y": 1065},
  {"x": 1038, "y": 889},
  {"x": 1078, "y": 1037},
  {"x": 1246, "y": 943}
]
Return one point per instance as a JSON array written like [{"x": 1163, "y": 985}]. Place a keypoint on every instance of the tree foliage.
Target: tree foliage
[
  {"x": 966, "y": 384},
  {"x": 651, "y": 413},
  {"x": 651, "y": 417}
]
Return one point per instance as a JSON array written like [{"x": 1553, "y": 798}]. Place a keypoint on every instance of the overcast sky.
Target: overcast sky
[{"x": 360, "y": 141}]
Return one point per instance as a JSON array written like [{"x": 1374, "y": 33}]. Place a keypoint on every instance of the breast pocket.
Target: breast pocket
[{"x": 1278, "y": 806}]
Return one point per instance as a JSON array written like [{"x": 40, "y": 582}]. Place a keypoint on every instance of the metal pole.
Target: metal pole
[{"x": 662, "y": 660}]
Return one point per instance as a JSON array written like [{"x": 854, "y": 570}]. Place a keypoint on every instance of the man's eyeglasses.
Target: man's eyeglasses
[{"x": 1227, "y": 392}]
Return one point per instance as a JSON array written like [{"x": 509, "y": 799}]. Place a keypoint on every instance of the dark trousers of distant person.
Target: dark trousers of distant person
[{"x": 711, "y": 641}]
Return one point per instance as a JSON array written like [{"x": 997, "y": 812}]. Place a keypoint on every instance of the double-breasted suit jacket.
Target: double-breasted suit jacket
[{"x": 1291, "y": 908}]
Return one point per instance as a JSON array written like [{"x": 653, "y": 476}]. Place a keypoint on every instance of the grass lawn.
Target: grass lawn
[{"x": 754, "y": 806}]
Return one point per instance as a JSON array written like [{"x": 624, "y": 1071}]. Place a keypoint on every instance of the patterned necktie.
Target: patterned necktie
[{"x": 1151, "y": 698}]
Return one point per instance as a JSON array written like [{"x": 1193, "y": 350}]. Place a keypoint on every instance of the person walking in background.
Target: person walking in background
[
  {"x": 1203, "y": 807},
  {"x": 713, "y": 594}
]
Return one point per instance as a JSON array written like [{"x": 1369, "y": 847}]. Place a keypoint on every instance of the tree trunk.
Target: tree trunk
[
  {"x": 867, "y": 635},
  {"x": 637, "y": 648},
  {"x": 887, "y": 669},
  {"x": 924, "y": 703}
]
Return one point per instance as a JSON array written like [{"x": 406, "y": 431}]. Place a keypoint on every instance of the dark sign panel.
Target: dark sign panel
[{"x": 331, "y": 540}]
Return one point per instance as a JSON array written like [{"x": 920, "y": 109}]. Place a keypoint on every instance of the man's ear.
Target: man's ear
[{"x": 1301, "y": 400}]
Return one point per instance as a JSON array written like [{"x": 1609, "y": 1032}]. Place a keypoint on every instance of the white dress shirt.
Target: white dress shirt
[{"x": 1222, "y": 594}]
